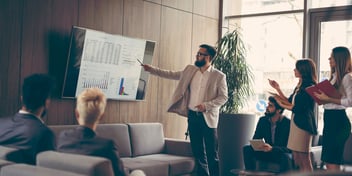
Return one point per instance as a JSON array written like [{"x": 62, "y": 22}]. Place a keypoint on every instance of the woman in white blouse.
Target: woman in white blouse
[{"x": 337, "y": 126}]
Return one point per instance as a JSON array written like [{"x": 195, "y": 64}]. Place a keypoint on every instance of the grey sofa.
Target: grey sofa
[{"x": 142, "y": 146}]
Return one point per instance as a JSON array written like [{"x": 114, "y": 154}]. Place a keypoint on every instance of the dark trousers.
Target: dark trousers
[
  {"x": 250, "y": 157},
  {"x": 204, "y": 143}
]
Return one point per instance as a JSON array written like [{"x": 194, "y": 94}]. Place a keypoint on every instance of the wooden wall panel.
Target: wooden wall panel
[
  {"x": 46, "y": 34},
  {"x": 185, "y": 5},
  {"x": 139, "y": 22},
  {"x": 104, "y": 15},
  {"x": 36, "y": 24},
  {"x": 34, "y": 37},
  {"x": 154, "y": 1},
  {"x": 206, "y": 32},
  {"x": 208, "y": 8},
  {"x": 10, "y": 45},
  {"x": 132, "y": 27},
  {"x": 175, "y": 54},
  {"x": 63, "y": 15}
]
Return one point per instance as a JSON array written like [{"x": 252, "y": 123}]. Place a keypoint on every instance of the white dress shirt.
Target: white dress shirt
[
  {"x": 346, "y": 98},
  {"x": 198, "y": 85}
]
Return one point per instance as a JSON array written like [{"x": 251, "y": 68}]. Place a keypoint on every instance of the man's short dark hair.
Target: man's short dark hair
[
  {"x": 36, "y": 89},
  {"x": 211, "y": 50},
  {"x": 277, "y": 106}
]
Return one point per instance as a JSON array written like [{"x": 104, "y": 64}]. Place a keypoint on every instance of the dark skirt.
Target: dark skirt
[{"x": 337, "y": 129}]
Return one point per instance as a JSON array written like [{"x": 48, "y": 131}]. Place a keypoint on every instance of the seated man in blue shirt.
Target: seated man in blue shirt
[{"x": 274, "y": 128}]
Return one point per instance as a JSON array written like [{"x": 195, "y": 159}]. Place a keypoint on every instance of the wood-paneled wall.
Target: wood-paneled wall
[{"x": 35, "y": 34}]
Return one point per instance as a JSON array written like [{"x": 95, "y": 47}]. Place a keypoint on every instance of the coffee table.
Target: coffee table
[{"x": 240, "y": 172}]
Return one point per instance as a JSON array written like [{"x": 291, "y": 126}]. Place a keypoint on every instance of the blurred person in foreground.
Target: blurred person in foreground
[{"x": 26, "y": 129}]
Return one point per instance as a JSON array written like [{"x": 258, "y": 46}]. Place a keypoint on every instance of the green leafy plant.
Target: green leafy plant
[{"x": 231, "y": 60}]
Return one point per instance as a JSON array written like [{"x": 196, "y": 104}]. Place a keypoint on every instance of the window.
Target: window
[
  {"x": 274, "y": 31},
  {"x": 326, "y": 27}
]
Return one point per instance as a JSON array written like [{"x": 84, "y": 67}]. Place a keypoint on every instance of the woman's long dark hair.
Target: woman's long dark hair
[
  {"x": 307, "y": 69},
  {"x": 343, "y": 66}
]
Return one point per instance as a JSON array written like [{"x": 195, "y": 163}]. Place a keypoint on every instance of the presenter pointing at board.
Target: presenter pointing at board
[{"x": 200, "y": 92}]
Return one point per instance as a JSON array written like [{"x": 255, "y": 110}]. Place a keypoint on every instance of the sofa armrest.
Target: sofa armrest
[
  {"x": 178, "y": 147},
  {"x": 30, "y": 170},
  {"x": 11, "y": 154},
  {"x": 81, "y": 164}
]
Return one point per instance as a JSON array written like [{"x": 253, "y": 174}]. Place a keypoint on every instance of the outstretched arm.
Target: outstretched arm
[
  {"x": 168, "y": 74},
  {"x": 283, "y": 102},
  {"x": 276, "y": 86}
]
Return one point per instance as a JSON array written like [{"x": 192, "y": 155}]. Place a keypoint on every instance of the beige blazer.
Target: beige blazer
[{"x": 215, "y": 97}]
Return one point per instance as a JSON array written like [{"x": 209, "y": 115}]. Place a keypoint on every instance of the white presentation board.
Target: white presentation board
[{"x": 109, "y": 62}]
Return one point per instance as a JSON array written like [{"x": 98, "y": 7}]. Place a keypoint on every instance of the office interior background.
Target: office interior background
[{"x": 35, "y": 35}]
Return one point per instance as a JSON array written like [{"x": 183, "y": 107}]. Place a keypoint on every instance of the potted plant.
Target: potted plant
[
  {"x": 234, "y": 129},
  {"x": 231, "y": 60}
]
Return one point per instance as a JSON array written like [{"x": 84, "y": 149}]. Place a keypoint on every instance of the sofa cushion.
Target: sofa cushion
[
  {"x": 82, "y": 164},
  {"x": 149, "y": 167},
  {"x": 178, "y": 147},
  {"x": 58, "y": 128},
  {"x": 119, "y": 133},
  {"x": 146, "y": 138},
  {"x": 178, "y": 165},
  {"x": 30, "y": 170}
]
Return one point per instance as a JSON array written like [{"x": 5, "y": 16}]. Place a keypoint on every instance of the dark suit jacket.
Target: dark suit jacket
[
  {"x": 28, "y": 133},
  {"x": 83, "y": 140},
  {"x": 263, "y": 130},
  {"x": 303, "y": 109}
]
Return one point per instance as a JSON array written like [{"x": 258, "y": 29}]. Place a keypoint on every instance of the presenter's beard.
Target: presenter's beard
[{"x": 200, "y": 63}]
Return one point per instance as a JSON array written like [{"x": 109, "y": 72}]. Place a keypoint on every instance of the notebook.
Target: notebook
[
  {"x": 324, "y": 86},
  {"x": 257, "y": 144}
]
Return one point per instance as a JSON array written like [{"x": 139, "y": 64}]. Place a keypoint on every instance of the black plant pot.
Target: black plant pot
[{"x": 234, "y": 131}]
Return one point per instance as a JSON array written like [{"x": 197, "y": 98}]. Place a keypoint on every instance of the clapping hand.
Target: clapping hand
[{"x": 274, "y": 84}]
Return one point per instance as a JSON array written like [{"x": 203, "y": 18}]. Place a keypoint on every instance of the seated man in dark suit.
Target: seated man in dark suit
[
  {"x": 26, "y": 129},
  {"x": 274, "y": 128},
  {"x": 83, "y": 140}
]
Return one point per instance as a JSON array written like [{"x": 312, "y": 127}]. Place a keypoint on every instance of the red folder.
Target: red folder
[{"x": 324, "y": 86}]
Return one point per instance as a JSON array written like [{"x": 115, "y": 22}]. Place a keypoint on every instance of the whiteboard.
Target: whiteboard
[{"x": 109, "y": 62}]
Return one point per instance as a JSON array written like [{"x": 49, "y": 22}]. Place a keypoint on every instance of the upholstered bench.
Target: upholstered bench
[{"x": 143, "y": 146}]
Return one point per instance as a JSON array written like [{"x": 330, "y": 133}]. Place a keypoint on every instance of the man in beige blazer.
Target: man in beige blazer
[{"x": 200, "y": 93}]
